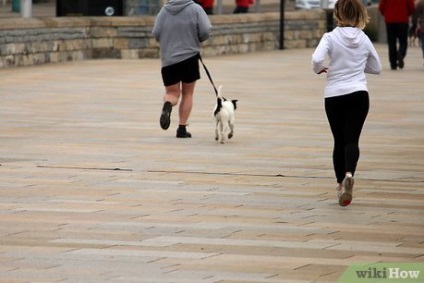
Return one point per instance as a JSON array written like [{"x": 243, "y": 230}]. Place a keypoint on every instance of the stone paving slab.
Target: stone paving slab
[{"x": 92, "y": 190}]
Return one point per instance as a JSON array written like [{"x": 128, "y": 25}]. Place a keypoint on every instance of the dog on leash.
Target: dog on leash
[
  {"x": 413, "y": 34},
  {"x": 224, "y": 114}
]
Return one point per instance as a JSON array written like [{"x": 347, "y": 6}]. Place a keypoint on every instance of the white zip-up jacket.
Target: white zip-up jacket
[{"x": 351, "y": 54}]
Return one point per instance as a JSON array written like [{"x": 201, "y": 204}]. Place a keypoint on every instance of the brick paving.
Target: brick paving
[{"x": 92, "y": 190}]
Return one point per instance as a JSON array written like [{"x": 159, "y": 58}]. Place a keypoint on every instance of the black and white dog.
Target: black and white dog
[
  {"x": 412, "y": 35},
  {"x": 224, "y": 114}
]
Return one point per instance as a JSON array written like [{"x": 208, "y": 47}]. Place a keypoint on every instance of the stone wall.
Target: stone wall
[
  {"x": 142, "y": 7},
  {"x": 33, "y": 41}
]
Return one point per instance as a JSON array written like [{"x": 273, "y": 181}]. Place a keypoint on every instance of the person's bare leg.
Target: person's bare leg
[
  {"x": 172, "y": 94},
  {"x": 186, "y": 103}
]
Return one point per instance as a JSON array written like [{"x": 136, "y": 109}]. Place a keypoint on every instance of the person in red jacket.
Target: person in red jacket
[
  {"x": 242, "y": 6},
  {"x": 396, "y": 16},
  {"x": 207, "y": 5}
]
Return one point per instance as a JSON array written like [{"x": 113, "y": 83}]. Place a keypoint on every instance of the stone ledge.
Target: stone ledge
[
  {"x": 32, "y": 23},
  {"x": 35, "y": 41}
]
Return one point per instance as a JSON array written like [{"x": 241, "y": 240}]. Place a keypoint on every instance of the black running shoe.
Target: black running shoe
[
  {"x": 183, "y": 133},
  {"x": 401, "y": 63},
  {"x": 165, "y": 117}
]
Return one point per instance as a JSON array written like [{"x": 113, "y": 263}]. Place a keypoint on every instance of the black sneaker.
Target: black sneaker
[
  {"x": 182, "y": 133},
  {"x": 165, "y": 117},
  {"x": 401, "y": 64}
]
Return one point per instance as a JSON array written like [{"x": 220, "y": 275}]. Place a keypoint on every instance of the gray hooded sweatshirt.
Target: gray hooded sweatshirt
[{"x": 180, "y": 27}]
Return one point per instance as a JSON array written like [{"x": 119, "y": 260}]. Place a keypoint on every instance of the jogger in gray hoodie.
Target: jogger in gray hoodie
[{"x": 180, "y": 27}]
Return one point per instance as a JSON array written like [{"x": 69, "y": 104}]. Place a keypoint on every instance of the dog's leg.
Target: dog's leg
[
  {"x": 231, "y": 123},
  {"x": 216, "y": 131},
  {"x": 231, "y": 133},
  {"x": 222, "y": 129}
]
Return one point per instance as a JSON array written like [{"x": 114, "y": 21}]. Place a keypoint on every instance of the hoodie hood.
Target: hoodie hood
[
  {"x": 350, "y": 36},
  {"x": 176, "y": 6}
]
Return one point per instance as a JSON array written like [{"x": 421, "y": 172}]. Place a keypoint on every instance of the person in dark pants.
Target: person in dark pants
[
  {"x": 396, "y": 16},
  {"x": 346, "y": 115},
  {"x": 418, "y": 23},
  {"x": 242, "y": 6},
  {"x": 351, "y": 55},
  {"x": 207, "y": 5}
]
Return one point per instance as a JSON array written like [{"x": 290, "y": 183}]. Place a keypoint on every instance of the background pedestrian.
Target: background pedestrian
[{"x": 396, "y": 16}]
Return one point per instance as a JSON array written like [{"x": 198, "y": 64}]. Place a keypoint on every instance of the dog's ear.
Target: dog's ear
[{"x": 234, "y": 101}]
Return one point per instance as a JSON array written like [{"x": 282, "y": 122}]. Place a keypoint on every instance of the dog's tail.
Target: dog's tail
[
  {"x": 219, "y": 91},
  {"x": 218, "y": 101}
]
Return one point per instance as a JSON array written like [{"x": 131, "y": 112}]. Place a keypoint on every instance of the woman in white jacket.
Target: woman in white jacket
[{"x": 351, "y": 54}]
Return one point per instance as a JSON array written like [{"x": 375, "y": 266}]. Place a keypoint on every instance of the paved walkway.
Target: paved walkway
[{"x": 92, "y": 190}]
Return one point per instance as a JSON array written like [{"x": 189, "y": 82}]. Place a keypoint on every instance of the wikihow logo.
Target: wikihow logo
[{"x": 384, "y": 273}]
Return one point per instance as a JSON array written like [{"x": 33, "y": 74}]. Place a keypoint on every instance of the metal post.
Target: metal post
[
  {"x": 219, "y": 6},
  {"x": 324, "y": 4},
  {"x": 258, "y": 6},
  {"x": 26, "y": 8},
  {"x": 282, "y": 4}
]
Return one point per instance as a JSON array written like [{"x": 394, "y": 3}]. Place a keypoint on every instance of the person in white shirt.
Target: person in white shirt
[{"x": 350, "y": 55}]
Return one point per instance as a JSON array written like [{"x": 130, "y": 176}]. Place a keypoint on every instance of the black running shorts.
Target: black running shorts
[{"x": 186, "y": 71}]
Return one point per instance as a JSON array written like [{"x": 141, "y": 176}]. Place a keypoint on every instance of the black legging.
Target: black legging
[{"x": 346, "y": 115}]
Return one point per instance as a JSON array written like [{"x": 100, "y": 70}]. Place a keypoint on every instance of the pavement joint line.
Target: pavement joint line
[
  {"x": 401, "y": 180},
  {"x": 85, "y": 168},
  {"x": 216, "y": 173}
]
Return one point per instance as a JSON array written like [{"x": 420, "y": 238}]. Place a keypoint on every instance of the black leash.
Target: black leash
[{"x": 209, "y": 75}]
